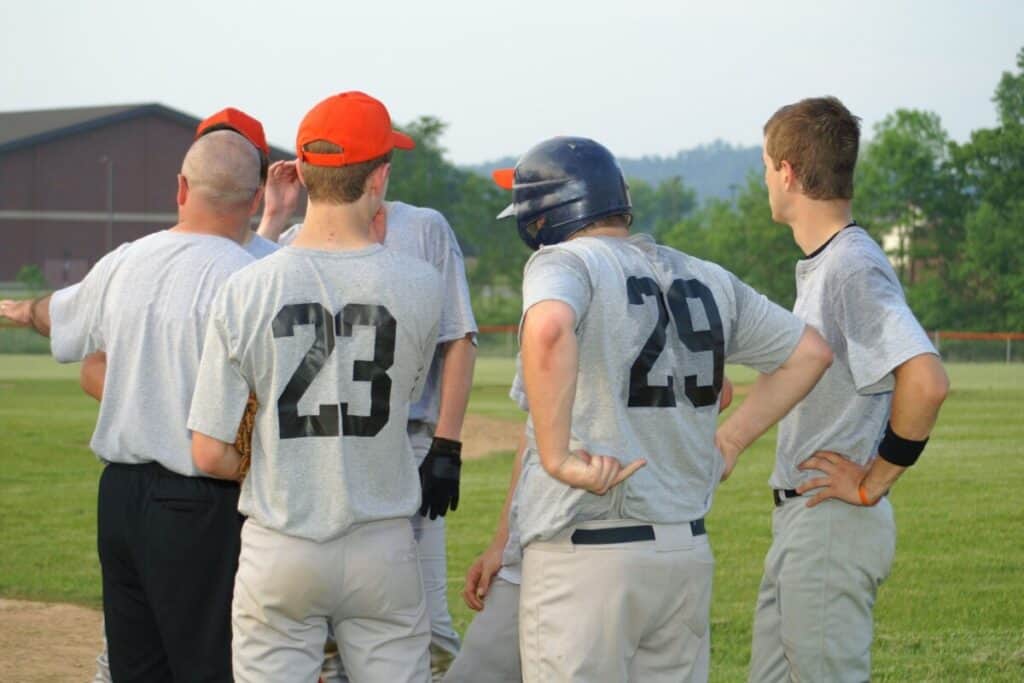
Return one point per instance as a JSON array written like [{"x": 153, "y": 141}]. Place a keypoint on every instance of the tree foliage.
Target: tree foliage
[
  {"x": 743, "y": 238},
  {"x": 31, "y": 278},
  {"x": 957, "y": 209}
]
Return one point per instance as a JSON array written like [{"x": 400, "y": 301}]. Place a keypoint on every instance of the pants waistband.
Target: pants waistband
[
  {"x": 154, "y": 469},
  {"x": 665, "y": 536}
]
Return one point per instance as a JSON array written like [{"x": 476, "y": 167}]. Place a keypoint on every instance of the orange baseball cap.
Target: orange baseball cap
[
  {"x": 354, "y": 121},
  {"x": 240, "y": 122}
]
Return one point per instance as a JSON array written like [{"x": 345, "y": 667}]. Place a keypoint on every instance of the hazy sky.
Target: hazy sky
[{"x": 643, "y": 77}]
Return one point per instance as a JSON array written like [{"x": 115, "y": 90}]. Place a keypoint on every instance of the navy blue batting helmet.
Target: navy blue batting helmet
[{"x": 560, "y": 187}]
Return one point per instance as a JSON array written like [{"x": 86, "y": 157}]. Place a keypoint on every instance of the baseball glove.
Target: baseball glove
[{"x": 243, "y": 440}]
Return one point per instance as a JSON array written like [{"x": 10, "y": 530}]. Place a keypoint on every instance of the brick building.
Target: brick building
[{"x": 76, "y": 182}]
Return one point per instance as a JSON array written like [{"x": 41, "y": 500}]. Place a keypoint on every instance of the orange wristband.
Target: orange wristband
[{"x": 864, "y": 499}]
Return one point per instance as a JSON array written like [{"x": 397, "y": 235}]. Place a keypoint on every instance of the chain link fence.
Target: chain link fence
[{"x": 501, "y": 341}]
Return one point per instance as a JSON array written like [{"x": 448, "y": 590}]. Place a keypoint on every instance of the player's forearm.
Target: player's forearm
[
  {"x": 921, "y": 388},
  {"x": 93, "y": 374},
  {"x": 216, "y": 458},
  {"x": 272, "y": 223},
  {"x": 456, "y": 383},
  {"x": 880, "y": 477},
  {"x": 550, "y": 365},
  {"x": 501, "y": 533},
  {"x": 774, "y": 395}
]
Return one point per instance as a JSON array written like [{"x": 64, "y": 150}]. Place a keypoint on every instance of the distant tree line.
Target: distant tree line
[{"x": 952, "y": 214}]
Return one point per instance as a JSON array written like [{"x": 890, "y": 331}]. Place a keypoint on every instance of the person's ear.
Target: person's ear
[
  {"x": 789, "y": 181},
  {"x": 257, "y": 198},
  {"x": 182, "y": 190},
  {"x": 298, "y": 172},
  {"x": 378, "y": 181}
]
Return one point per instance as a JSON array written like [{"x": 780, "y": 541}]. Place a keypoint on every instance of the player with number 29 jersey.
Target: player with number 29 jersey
[
  {"x": 336, "y": 345},
  {"x": 655, "y": 328}
]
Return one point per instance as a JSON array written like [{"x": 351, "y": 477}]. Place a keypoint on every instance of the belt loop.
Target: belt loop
[{"x": 781, "y": 495}]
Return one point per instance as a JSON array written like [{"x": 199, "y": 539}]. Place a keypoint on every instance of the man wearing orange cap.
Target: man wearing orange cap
[
  {"x": 168, "y": 536},
  {"x": 435, "y": 421},
  {"x": 334, "y": 334},
  {"x": 252, "y": 130},
  {"x": 93, "y": 369}
]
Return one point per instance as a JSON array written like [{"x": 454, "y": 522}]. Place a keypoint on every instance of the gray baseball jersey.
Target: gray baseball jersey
[
  {"x": 655, "y": 327},
  {"x": 850, "y": 294},
  {"x": 146, "y": 305},
  {"x": 259, "y": 247},
  {"x": 335, "y": 345},
  {"x": 425, "y": 234}
]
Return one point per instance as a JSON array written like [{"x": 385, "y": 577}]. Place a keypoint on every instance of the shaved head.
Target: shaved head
[{"x": 224, "y": 168}]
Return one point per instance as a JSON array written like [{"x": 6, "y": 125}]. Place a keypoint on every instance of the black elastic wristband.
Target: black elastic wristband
[
  {"x": 446, "y": 446},
  {"x": 899, "y": 451}
]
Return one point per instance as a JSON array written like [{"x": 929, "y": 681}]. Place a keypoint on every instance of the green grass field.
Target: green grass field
[{"x": 952, "y": 610}]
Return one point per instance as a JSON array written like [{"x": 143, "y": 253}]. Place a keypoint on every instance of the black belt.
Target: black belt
[
  {"x": 781, "y": 495},
  {"x": 626, "y": 534}
]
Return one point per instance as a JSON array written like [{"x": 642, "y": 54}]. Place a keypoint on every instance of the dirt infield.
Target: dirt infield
[
  {"x": 48, "y": 642},
  {"x": 484, "y": 435}
]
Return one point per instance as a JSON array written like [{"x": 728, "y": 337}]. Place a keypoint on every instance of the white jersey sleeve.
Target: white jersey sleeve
[
  {"x": 457, "y": 318},
  {"x": 221, "y": 391},
  {"x": 557, "y": 275},
  {"x": 765, "y": 334},
  {"x": 76, "y": 312},
  {"x": 880, "y": 330}
]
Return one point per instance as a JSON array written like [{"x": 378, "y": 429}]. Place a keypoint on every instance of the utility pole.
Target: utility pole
[{"x": 110, "y": 201}]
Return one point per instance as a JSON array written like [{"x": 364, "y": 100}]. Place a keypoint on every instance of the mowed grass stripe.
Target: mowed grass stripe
[{"x": 951, "y": 611}]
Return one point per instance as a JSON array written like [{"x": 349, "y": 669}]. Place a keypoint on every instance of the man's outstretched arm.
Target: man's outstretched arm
[{"x": 31, "y": 313}]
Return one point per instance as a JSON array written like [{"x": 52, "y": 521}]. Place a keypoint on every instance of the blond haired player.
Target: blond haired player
[
  {"x": 623, "y": 350},
  {"x": 334, "y": 334},
  {"x": 435, "y": 421}
]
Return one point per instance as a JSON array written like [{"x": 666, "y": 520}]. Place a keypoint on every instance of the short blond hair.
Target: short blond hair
[{"x": 337, "y": 184}]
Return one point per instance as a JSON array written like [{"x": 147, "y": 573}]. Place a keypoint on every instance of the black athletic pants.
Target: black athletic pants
[{"x": 168, "y": 548}]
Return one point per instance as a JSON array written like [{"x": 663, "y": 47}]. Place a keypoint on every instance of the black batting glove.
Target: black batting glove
[{"x": 439, "y": 477}]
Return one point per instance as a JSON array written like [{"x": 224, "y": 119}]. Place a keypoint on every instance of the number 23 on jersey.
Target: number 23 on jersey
[{"x": 327, "y": 327}]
